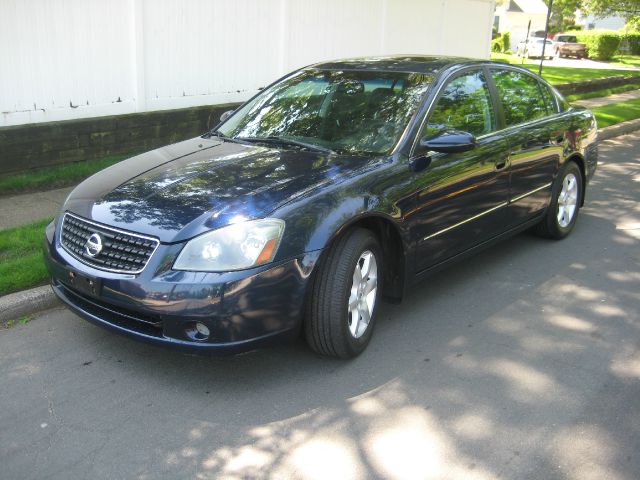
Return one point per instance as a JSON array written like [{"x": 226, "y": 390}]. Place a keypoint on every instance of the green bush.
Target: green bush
[
  {"x": 601, "y": 44},
  {"x": 506, "y": 41},
  {"x": 632, "y": 42},
  {"x": 497, "y": 44}
]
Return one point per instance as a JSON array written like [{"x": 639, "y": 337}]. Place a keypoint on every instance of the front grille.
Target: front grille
[{"x": 121, "y": 251}]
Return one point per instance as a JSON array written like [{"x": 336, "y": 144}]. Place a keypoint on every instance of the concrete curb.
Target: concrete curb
[
  {"x": 31, "y": 301},
  {"x": 618, "y": 129},
  {"x": 26, "y": 302}
]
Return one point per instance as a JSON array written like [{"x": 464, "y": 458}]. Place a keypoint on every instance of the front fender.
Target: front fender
[{"x": 313, "y": 222}]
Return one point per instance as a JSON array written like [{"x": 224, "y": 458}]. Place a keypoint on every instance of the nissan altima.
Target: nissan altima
[{"x": 338, "y": 186}]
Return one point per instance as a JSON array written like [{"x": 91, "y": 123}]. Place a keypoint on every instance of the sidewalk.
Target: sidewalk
[
  {"x": 615, "y": 98},
  {"x": 29, "y": 207}
]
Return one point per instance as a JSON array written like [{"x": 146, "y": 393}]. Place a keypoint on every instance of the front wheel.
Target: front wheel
[
  {"x": 562, "y": 213},
  {"x": 344, "y": 296}
]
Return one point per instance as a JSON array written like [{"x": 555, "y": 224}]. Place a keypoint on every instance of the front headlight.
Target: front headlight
[{"x": 235, "y": 247}]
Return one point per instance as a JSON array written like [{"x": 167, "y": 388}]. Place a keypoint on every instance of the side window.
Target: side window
[
  {"x": 522, "y": 98},
  {"x": 549, "y": 100},
  {"x": 464, "y": 105}
]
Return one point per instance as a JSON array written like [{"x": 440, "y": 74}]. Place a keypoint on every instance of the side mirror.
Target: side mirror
[
  {"x": 226, "y": 115},
  {"x": 449, "y": 141}
]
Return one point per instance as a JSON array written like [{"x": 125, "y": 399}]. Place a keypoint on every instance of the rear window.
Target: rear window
[{"x": 567, "y": 38}]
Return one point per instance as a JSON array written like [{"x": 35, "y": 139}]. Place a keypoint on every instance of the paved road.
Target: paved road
[{"x": 522, "y": 363}]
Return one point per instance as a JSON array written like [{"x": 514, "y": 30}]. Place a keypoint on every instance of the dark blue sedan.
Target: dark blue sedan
[{"x": 338, "y": 186}]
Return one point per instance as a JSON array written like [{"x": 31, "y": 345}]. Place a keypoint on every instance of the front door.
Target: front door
[{"x": 461, "y": 196}]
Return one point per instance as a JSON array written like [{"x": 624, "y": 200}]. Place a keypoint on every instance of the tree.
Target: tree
[
  {"x": 563, "y": 14},
  {"x": 606, "y": 8}
]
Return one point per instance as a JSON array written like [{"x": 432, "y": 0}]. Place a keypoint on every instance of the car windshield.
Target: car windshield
[
  {"x": 568, "y": 39},
  {"x": 353, "y": 112}
]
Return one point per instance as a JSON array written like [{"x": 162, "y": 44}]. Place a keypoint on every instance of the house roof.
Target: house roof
[{"x": 527, "y": 6}]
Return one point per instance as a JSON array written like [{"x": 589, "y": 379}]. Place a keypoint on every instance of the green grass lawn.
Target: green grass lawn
[
  {"x": 559, "y": 75},
  {"x": 56, "y": 177},
  {"x": 626, "y": 61},
  {"x": 617, "y": 112},
  {"x": 21, "y": 259}
]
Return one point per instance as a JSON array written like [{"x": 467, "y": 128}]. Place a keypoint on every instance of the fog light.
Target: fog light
[
  {"x": 202, "y": 329},
  {"x": 197, "y": 331}
]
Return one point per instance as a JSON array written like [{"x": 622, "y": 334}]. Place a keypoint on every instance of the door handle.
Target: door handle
[
  {"x": 417, "y": 164},
  {"x": 557, "y": 136},
  {"x": 502, "y": 164}
]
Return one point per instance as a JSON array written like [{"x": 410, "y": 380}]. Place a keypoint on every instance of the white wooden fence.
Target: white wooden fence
[{"x": 67, "y": 59}]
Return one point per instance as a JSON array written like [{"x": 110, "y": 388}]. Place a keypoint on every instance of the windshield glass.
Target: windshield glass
[
  {"x": 568, "y": 39},
  {"x": 344, "y": 111}
]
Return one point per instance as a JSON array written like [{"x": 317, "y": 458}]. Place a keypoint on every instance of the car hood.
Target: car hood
[{"x": 184, "y": 189}]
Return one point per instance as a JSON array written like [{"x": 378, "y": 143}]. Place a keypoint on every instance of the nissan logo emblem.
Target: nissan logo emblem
[{"x": 94, "y": 245}]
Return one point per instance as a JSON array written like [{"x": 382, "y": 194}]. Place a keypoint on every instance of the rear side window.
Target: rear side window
[
  {"x": 521, "y": 95},
  {"x": 549, "y": 100}
]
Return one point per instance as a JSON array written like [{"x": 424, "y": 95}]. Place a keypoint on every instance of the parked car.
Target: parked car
[
  {"x": 532, "y": 47},
  {"x": 566, "y": 45},
  {"x": 339, "y": 185}
]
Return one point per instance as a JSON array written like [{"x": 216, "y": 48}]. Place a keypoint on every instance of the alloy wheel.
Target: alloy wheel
[
  {"x": 567, "y": 200},
  {"x": 362, "y": 297}
]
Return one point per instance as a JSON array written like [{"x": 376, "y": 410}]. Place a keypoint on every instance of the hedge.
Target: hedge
[
  {"x": 601, "y": 44},
  {"x": 632, "y": 42}
]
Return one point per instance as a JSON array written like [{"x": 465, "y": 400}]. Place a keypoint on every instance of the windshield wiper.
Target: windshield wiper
[
  {"x": 222, "y": 136},
  {"x": 286, "y": 141}
]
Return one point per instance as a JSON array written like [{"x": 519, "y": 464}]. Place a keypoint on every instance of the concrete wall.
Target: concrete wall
[{"x": 71, "y": 59}]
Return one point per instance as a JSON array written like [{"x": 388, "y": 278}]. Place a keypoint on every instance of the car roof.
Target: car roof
[
  {"x": 430, "y": 65},
  {"x": 397, "y": 63}
]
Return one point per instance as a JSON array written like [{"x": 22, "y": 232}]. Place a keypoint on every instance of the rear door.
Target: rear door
[{"x": 535, "y": 135}]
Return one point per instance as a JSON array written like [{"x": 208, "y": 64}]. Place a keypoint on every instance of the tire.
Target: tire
[
  {"x": 562, "y": 213},
  {"x": 329, "y": 322}
]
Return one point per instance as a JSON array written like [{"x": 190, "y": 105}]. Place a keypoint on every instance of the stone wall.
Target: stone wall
[
  {"x": 29, "y": 147},
  {"x": 597, "y": 84}
]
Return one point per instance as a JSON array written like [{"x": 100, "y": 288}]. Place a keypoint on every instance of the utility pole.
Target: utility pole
[
  {"x": 546, "y": 32},
  {"x": 526, "y": 43}
]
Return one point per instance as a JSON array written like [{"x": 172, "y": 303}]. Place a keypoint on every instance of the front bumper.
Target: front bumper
[{"x": 242, "y": 310}]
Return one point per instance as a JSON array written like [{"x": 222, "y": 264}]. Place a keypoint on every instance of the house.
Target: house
[
  {"x": 514, "y": 16},
  {"x": 590, "y": 22}
]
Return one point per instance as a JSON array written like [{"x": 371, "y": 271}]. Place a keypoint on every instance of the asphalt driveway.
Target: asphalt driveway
[{"x": 523, "y": 362}]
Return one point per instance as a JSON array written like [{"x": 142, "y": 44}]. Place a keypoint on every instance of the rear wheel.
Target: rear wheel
[
  {"x": 562, "y": 213},
  {"x": 345, "y": 293}
]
